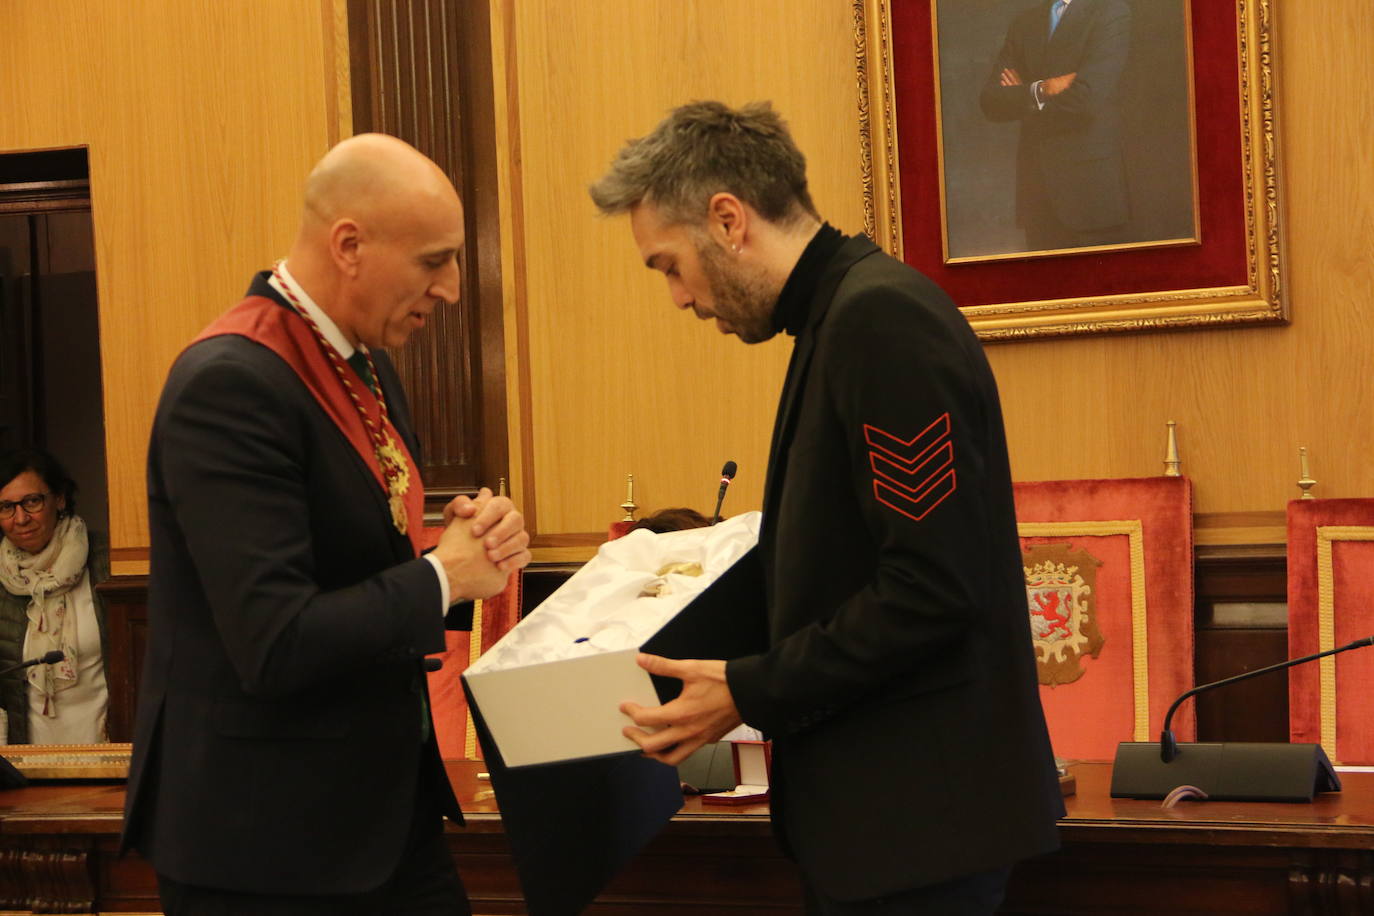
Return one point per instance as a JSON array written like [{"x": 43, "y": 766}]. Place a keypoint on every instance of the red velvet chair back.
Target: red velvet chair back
[
  {"x": 1109, "y": 589},
  {"x": 1331, "y": 603}
]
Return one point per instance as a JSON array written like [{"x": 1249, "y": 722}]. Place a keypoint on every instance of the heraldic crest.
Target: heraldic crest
[{"x": 1060, "y": 592}]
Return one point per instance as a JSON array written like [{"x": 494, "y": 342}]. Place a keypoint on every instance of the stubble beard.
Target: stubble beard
[{"x": 743, "y": 299}]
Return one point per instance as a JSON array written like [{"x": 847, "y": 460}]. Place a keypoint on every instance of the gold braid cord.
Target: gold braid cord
[
  {"x": 474, "y": 652},
  {"x": 389, "y": 456}
]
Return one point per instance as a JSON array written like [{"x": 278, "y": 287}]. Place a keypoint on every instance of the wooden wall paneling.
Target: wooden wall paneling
[
  {"x": 200, "y": 135},
  {"x": 510, "y": 190},
  {"x": 16, "y": 331},
  {"x": 126, "y": 635},
  {"x": 422, "y": 72},
  {"x": 201, "y": 120},
  {"x": 338, "y": 62},
  {"x": 1255, "y": 710},
  {"x": 618, "y": 381}
]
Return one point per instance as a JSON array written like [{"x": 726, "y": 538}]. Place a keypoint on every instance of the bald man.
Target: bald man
[{"x": 284, "y": 758}]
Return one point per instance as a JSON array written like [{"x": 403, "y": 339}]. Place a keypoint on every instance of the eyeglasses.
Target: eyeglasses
[{"x": 31, "y": 503}]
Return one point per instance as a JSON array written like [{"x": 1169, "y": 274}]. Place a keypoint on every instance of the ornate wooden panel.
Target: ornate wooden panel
[{"x": 421, "y": 71}]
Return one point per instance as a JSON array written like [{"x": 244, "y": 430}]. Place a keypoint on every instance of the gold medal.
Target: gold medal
[{"x": 397, "y": 476}]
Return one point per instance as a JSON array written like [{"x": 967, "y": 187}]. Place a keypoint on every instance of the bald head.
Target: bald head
[
  {"x": 379, "y": 240},
  {"x": 376, "y": 180}
]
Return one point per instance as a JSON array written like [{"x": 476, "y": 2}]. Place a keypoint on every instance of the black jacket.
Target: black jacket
[
  {"x": 278, "y": 738},
  {"x": 900, "y": 687}
]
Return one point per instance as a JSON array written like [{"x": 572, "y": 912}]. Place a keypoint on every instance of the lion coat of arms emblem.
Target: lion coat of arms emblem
[{"x": 1060, "y": 593}]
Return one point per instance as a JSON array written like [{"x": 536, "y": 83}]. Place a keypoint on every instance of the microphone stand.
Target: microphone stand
[
  {"x": 11, "y": 778},
  {"x": 50, "y": 658},
  {"x": 1230, "y": 771}
]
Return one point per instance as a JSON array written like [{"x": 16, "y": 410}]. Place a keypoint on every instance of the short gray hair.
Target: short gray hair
[{"x": 703, "y": 148}]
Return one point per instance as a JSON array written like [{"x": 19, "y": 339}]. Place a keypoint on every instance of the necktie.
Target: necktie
[
  {"x": 1056, "y": 12},
  {"x": 359, "y": 363}
]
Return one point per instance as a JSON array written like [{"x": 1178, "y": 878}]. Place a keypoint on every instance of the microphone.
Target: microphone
[
  {"x": 10, "y": 777},
  {"x": 1168, "y": 747},
  {"x": 1236, "y": 771},
  {"x": 727, "y": 474},
  {"x": 50, "y": 658}
]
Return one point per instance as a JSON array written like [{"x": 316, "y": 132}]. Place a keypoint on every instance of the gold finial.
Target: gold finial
[
  {"x": 629, "y": 504},
  {"x": 1305, "y": 483},
  {"x": 1171, "y": 462},
  {"x": 501, "y": 487}
]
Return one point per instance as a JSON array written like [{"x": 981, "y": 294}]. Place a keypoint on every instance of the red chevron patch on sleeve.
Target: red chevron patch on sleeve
[{"x": 912, "y": 476}]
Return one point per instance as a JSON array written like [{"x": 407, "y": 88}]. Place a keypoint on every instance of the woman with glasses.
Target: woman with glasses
[{"x": 47, "y": 602}]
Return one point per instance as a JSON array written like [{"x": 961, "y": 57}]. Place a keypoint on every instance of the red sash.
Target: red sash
[{"x": 286, "y": 334}]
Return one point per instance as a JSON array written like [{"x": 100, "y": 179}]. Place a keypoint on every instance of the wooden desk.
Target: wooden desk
[{"x": 58, "y": 842}]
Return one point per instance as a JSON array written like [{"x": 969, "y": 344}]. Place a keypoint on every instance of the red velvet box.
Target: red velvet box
[{"x": 753, "y": 769}]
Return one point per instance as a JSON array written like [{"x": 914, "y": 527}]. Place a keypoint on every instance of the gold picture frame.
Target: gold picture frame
[{"x": 1253, "y": 293}]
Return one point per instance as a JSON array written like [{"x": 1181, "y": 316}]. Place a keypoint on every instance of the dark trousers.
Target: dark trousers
[
  {"x": 973, "y": 895},
  {"x": 424, "y": 884}
]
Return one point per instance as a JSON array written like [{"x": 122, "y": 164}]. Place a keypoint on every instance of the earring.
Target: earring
[{"x": 735, "y": 249}]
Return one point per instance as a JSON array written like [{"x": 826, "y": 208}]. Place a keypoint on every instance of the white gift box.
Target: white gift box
[{"x": 551, "y": 688}]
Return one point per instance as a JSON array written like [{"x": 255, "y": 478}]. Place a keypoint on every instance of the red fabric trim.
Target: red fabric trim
[
  {"x": 1353, "y": 612},
  {"x": 1220, "y": 259},
  {"x": 1163, "y": 505},
  {"x": 286, "y": 334},
  {"x": 447, "y": 701},
  {"x": 899, "y": 482}
]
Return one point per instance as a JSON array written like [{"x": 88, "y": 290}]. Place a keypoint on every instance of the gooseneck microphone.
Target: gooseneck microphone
[
  {"x": 10, "y": 777},
  {"x": 1230, "y": 770},
  {"x": 49, "y": 658},
  {"x": 727, "y": 474},
  {"x": 1168, "y": 747}
]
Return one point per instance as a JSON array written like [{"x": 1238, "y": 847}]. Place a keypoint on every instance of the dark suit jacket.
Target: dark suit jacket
[
  {"x": 1069, "y": 157},
  {"x": 278, "y": 738},
  {"x": 900, "y": 687}
]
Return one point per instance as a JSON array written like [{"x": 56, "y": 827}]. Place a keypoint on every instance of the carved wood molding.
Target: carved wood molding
[
  {"x": 47, "y": 874},
  {"x": 1331, "y": 881},
  {"x": 421, "y": 71}
]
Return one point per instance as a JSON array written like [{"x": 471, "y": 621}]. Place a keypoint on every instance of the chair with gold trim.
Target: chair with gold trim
[
  {"x": 1109, "y": 589},
  {"x": 1331, "y": 603}
]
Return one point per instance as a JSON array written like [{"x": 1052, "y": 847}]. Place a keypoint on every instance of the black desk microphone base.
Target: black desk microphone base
[{"x": 1231, "y": 771}]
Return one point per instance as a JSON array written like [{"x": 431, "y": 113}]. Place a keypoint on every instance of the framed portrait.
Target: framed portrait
[{"x": 1081, "y": 167}]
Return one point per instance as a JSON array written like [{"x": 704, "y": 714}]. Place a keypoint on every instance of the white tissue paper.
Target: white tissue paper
[{"x": 550, "y": 689}]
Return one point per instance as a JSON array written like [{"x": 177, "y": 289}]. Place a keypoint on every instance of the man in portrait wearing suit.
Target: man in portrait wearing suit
[
  {"x": 911, "y": 765},
  {"x": 284, "y": 756},
  {"x": 1058, "y": 74}
]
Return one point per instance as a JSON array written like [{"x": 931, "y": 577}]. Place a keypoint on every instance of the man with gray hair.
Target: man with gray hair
[{"x": 911, "y": 762}]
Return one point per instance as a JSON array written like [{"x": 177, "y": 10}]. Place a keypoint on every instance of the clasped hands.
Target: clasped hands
[
  {"x": 704, "y": 711},
  {"x": 484, "y": 541}
]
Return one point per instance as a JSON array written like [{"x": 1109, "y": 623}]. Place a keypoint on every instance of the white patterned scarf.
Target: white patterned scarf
[{"x": 47, "y": 577}]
